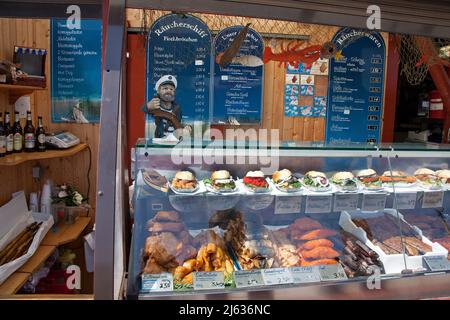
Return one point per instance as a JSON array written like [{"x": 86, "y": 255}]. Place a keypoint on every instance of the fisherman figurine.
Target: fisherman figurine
[{"x": 165, "y": 109}]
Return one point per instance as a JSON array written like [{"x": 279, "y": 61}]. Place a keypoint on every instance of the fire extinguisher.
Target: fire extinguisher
[{"x": 436, "y": 105}]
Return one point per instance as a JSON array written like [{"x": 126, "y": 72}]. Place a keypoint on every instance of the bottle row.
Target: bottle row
[{"x": 14, "y": 139}]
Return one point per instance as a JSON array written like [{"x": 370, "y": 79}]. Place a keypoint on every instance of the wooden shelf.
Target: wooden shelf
[
  {"x": 17, "y": 158},
  {"x": 13, "y": 283},
  {"x": 42, "y": 253},
  {"x": 63, "y": 234},
  {"x": 16, "y": 91}
]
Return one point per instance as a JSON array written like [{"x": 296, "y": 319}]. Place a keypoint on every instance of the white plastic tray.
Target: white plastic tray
[{"x": 393, "y": 263}]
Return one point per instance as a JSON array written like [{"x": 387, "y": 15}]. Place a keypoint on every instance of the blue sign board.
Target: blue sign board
[
  {"x": 238, "y": 86},
  {"x": 76, "y": 71},
  {"x": 180, "y": 45},
  {"x": 356, "y": 85}
]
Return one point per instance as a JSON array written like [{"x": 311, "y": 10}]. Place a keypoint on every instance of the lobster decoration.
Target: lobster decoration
[{"x": 293, "y": 56}]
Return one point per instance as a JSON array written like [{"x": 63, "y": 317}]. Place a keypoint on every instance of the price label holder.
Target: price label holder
[
  {"x": 288, "y": 204},
  {"x": 332, "y": 272},
  {"x": 345, "y": 202},
  {"x": 318, "y": 203},
  {"x": 305, "y": 274},
  {"x": 251, "y": 278},
  {"x": 157, "y": 282},
  {"x": 432, "y": 199},
  {"x": 373, "y": 201},
  {"x": 277, "y": 276},
  {"x": 406, "y": 200},
  {"x": 437, "y": 263},
  {"x": 209, "y": 280}
]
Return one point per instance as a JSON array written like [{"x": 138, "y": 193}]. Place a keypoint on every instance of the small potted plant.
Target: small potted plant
[{"x": 68, "y": 204}]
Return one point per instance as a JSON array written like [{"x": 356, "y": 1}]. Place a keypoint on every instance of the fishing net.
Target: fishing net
[
  {"x": 417, "y": 54},
  {"x": 273, "y": 31}
]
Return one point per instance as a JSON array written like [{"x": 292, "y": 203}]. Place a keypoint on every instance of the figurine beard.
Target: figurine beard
[{"x": 168, "y": 97}]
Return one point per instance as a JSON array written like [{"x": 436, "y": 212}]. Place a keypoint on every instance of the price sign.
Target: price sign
[
  {"x": 332, "y": 272},
  {"x": 345, "y": 202},
  {"x": 406, "y": 200},
  {"x": 437, "y": 263},
  {"x": 432, "y": 199},
  {"x": 277, "y": 276},
  {"x": 318, "y": 204},
  {"x": 157, "y": 282},
  {"x": 305, "y": 274},
  {"x": 288, "y": 204},
  {"x": 251, "y": 278},
  {"x": 209, "y": 280},
  {"x": 374, "y": 201}
]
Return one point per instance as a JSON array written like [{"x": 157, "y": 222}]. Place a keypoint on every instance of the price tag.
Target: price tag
[
  {"x": 318, "y": 204},
  {"x": 432, "y": 199},
  {"x": 157, "y": 282},
  {"x": 288, "y": 204},
  {"x": 345, "y": 202},
  {"x": 209, "y": 280},
  {"x": 406, "y": 200},
  {"x": 374, "y": 201},
  {"x": 251, "y": 278},
  {"x": 277, "y": 276},
  {"x": 437, "y": 263},
  {"x": 305, "y": 274},
  {"x": 332, "y": 272}
]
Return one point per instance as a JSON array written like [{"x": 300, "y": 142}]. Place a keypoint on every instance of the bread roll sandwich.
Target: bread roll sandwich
[
  {"x": 285, "y": 181},
  {"x": 443, "y": 176},
  {"x": 316, "y": 181},
  {"x": 255, "y": 181},
  {"x": 428, "y": 178},
  {"x": 369, "y": 178},
  {"x": 222, "y": 181},
  {"x": 184, "y": 181},
  {"x": 345, "y": 181},
  {"x": 399, "y": 178}
]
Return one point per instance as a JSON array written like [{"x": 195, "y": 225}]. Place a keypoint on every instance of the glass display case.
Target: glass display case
[{"x": 215, "y": 219}]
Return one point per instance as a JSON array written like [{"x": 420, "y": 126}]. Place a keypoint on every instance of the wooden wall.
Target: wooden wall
[
  {"x": 72, "y": 170},
  {"x": 291, "y": 128}
]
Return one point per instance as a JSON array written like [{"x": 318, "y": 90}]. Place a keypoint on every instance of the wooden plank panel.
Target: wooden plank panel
[
  {"x": 308, "y": 129},
  {"x": 36, "y": 33},
  {"x": 319, "y": 129}
]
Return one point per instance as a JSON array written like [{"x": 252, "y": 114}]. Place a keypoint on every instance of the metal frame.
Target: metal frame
[
  {"x": 353, "y": 15},
  {"x": 112, "y": 105},
  {"x": 49, "y": 8}
]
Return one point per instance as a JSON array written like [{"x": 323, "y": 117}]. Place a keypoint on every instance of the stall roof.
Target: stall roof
[
  {"x": 424, "y": 17},
  {"x": 49, "y": 8}
]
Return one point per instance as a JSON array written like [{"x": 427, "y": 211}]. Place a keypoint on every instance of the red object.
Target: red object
[
  {"x": 135, "y": 90},
  {"x": 54, "y": 283},
  {"x": 436, "y": 105},
  {"x": 255, "y": 181},
  {"x": 291, "y": 55},
  {"x": 390, "y": 95}
]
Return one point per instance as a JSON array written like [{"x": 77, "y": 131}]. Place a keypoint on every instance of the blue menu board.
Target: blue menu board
[
  {"x": 180, "y": 45},
  {"x": 356, "y": 85},
  {"x": 238, "y": 86},
  {"x": 76, "y": 71}
]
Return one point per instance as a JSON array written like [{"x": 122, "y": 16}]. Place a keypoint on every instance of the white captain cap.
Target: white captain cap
[{"x": 166, "y": 80}]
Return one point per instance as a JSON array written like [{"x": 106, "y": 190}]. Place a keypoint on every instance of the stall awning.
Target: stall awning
[{"x": 429, "y": 18}]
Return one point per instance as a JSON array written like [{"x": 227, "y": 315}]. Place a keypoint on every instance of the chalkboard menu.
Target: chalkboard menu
[
  {"x": 180, "y": 45},
  {"x": 356, "y": 85},
  {"x": 76, "y": 71},
  {"x": 238, "y": 86}
]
